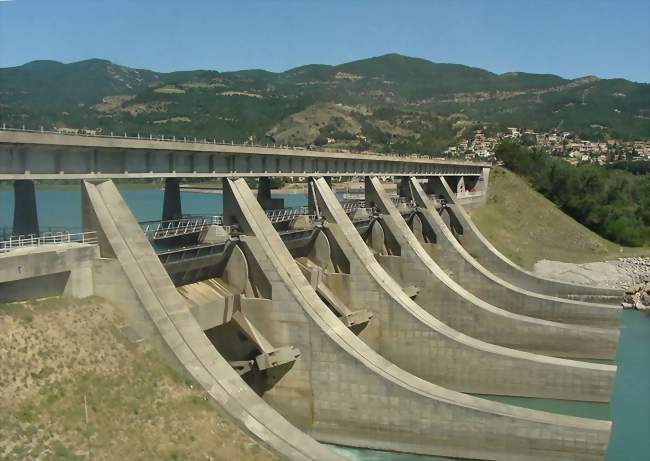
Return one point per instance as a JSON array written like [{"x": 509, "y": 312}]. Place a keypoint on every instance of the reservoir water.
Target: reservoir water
[{"x": 630, "y": 407}]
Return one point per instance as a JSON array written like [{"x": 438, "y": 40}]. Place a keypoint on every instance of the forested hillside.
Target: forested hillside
[
  {"x": 612, "y": 202},
  {"x": 388, "y": 103}
]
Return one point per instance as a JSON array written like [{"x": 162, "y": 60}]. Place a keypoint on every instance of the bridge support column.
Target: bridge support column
[
  {"x": 471, "y": 183},
  {"x": 311, "y": 202},
  {"x": 434, "y": 187},
  {"x": 404, "y": 189},
  {"x": 264, "y": 195},
  {"x": 25, "y": 214},
  {"x": 484, "y": 181},
  {"x": 172, "y": 208}
]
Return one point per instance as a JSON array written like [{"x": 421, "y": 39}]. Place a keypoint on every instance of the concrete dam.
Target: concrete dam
[{"x": 372, "y": 321}]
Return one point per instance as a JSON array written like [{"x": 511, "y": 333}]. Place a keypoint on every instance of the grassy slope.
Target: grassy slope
[
  {"x": 526, "y": 227},
  {"x": 53, "y": 352}
]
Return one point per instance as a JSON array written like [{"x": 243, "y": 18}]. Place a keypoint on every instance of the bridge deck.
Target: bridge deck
[{"x": 48, "y": 155}]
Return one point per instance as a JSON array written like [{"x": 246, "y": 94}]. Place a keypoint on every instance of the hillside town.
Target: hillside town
[{"x": 565, "y": 145}]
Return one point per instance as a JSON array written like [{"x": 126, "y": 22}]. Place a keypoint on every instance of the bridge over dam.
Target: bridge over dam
[{"x": 372, "y": 322}]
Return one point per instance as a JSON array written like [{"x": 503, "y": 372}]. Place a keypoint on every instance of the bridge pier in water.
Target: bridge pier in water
[
  {"x": 264, "y": 195},
  {"x": 172, "y": 206},
  {"x": 25, "y": 209}
]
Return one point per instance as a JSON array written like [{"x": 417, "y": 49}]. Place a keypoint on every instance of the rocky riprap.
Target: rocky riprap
[
  {"x": 636, "y": 268},
  {"x": 637, "y": 297}
]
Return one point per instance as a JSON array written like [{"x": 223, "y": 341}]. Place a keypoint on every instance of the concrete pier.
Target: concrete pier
[
  {"x": 264, "y": 195},
  {"x": 131, "y": 274},
  {"x": 25, "y": 210},
  {"x": 341, "y": 391},
  {"x": 406, "y": 258},
  {"x": 452, "y": 257},
  {"x": 172, "y": 207},
  {"x": 399, "y": 321}
]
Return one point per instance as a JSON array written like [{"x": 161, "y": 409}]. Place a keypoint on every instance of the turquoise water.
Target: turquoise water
[
  {"x": 62, "y": 208},
  {"x": 630, "y": 406}
]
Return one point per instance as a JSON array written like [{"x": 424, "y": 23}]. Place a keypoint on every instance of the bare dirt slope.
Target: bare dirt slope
[{"x": 54, "y": 352}]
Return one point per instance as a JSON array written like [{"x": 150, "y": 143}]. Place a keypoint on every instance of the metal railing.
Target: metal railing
[
  {"x": 188, "y": 225},
  {"x": 352, "y": 206},
  {"x": 47, "y": 238},
  {"x": 397, "y": 200},
  {"x": 286, "y": 214},
  {"x": 350, "y": 196},
  {"x": 192, "y": 224},
  {"x": 215, "y": 141}
]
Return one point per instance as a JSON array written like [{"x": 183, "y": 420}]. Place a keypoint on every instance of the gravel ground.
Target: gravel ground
[{"x": 619, "y": 273}]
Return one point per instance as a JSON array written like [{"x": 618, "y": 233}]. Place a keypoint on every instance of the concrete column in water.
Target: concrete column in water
[
  {"x": 25, "y": 215},
  {"x": 404, "y": 187},
  {"x": 434, "y": 187},
  {"x": 264, "y": 195},
  {"x": 172, "y": 200}
]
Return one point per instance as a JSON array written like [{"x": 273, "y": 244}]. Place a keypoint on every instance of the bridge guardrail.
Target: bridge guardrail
[
  {"x": 58, "y": 238},
  {"x": 214, "y": 141}
]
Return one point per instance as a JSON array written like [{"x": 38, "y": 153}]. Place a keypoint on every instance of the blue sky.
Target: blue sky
[{"x": 570, "y": 38}]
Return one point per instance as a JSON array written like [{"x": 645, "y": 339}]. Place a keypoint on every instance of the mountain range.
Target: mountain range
[{"x": 391, "y": 102}]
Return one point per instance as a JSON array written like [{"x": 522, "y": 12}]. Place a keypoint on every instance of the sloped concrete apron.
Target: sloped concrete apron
[
  {"x": 398, "y": 318},
  {"x": 493, "y": 260},
  {"x": 356, "y": 397},
  {"x": 550, "y": 338},
  {"x": 467, "y": 271},
  {"x": 121, "y": 238}
]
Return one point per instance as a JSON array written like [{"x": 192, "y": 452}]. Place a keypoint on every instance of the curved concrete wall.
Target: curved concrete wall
[
  {"x": 120, "y": 233},
  {"x": 466, "y": 270},
  {"x": 342, "y": 391},
  {"x": 483, "y": 284},
  {"x": 372, "y": 288},
  {"x": 493, "y": 260},
  {"x": 565, "y": 340}
]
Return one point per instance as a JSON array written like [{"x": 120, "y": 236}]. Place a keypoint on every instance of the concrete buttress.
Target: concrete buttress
[
  {"x": 413, "y": 339},
  {"x": 133, "y": 267},
  {"x": 496, "y": 325},
  {"x": 342, "y": 391},
  {"x": 450, "y": 255},
  {"x": 493, "y": 260}
]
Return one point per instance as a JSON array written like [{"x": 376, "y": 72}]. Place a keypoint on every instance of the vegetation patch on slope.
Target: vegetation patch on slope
[
  {"x": 60, "y": 358},
  {"x": 526, "y": 227}
]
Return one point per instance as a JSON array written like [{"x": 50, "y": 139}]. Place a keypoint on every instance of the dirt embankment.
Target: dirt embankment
[{"x": 57, "y": 353}]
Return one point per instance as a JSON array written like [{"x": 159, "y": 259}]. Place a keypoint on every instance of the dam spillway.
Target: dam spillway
[{"x": 338, "y": 323}]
